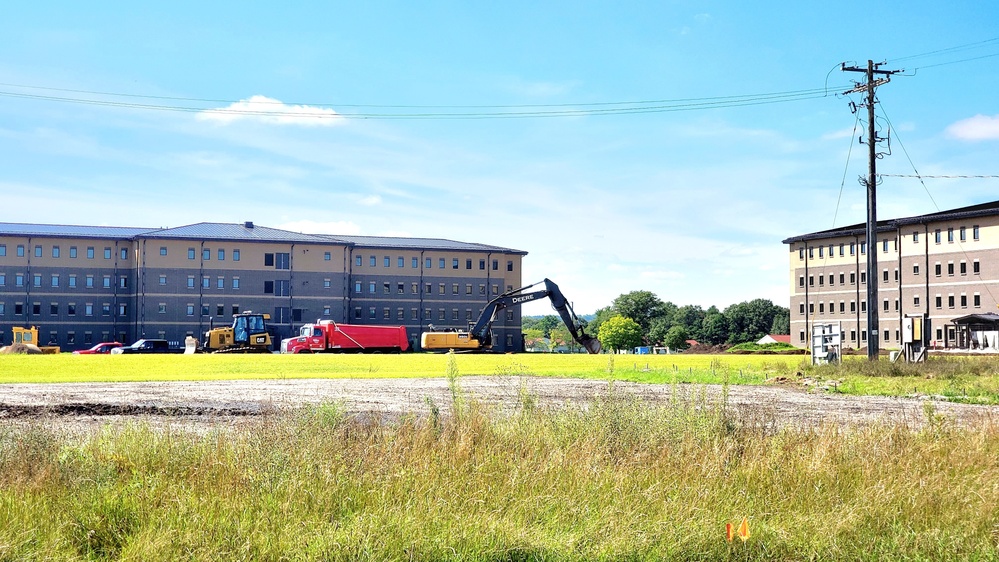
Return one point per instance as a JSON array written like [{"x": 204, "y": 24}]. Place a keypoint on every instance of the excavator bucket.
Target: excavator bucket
[{"x": 592, "y": 345}]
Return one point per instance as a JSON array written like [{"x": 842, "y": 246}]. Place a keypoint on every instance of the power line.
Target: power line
[{"x": 325, "y": 110}]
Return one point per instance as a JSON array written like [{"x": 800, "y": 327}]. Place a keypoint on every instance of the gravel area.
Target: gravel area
[{"x": 208, "y": 405}]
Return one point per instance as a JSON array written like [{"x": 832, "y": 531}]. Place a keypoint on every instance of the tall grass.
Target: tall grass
[{"x": 616, "y": 480}]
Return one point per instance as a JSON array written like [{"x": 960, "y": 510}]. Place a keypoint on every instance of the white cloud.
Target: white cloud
[
  {"x": 314, "y": 227},
  {"x": 370, "y": 200},
  {"x": 977, "y": 128},
  {"x": 269, "y": 110}
]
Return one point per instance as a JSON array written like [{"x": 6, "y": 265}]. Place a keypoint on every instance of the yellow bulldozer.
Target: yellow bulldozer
[
  {"x": 247, "y": 334},
  {"x": 26, "y": 341}
]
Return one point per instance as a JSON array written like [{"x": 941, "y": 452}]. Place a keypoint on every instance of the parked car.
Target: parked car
[
  {"x": 147, "y": 346},
  {"x": 99, "y": 349}
]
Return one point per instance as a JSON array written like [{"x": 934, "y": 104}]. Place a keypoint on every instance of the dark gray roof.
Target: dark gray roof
[
  {"x": 228, "y": 231},
  {"x": 890, "y": 225},
  {"x": 986, "y": 318},
  {"x": 423, "y": 243},
  {"x": 54, "y": 230},
  {"x": 246, "y": 231}
]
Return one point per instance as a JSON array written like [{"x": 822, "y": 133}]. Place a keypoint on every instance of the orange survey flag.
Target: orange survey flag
[
  {"x": 744, "y": 529},
  {"x": 729, "y": 532}
]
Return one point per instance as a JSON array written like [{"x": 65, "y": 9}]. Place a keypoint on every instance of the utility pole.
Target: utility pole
[{"x": 872, "y": 207}]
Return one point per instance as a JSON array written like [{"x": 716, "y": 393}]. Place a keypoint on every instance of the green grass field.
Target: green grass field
[{"x": 971, "y": 380}]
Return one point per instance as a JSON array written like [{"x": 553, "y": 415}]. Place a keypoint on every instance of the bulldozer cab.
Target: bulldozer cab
[
  {"x": 26, "y": 335},
  {"x": 245, "y": 325}
]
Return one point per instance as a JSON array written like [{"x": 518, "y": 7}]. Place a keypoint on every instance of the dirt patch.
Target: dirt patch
[{"x": 208, "y": 405}]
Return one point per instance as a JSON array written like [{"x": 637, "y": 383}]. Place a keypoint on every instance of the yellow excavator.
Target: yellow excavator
[{"x": 478, "y": 336}]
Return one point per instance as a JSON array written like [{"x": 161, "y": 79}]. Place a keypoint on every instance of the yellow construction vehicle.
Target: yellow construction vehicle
[
  {"x": 247, "y": 334},
  {"x": 26, "y": 341},
  {"x": 478, "y": 336}
]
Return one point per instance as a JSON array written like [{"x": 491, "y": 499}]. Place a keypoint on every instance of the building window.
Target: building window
[
  {"x": 939, "y": 301},
  {"x": 841, "y": 247},
  {"x": 371, "y": 287},
  {"x": 163, "y": 250},
  {"x": 191, "y": 253},
  {"x": 441, "y": 264},
  {"x": 268, "y": 260},
  {"x": 811, "y": 280},
  {"x": 220, "y": 283},
  {"x": 964, "y": 267},
  {"x": 204, "y": 310},
  {"x": 107, "y": 281},
  {"x": 327, "y": 256},
  {"x": 822, "y": 251},
  {"x": 801, "y": 308},
  {"x": 123, "y": 253},
  {"x": 454, "y": 288},
  {"x": 372, "y": 313},
  {"x": 401, "y": 262},
  {"x": 38, "y": 251},
  {"x": 90, "y": 281},
  {"x": 326, "y": 310},
  {"x": 107, "y": 253},
  {"x": 915, "y": 269},
  {"x": 282, "y": 288},
  {"x": 974, "y": 232},
  {"x": 801, "y": 280},
  {"x": 853, "y": 277},
  {"x": 3, "y": 250},
  {"x": 801, "y": 253},
  {"x": 54, "y": 309},
  {"x": 123, "y": 282},
  {"x": 415, "y": 263},
  {"x": 936, "y": 236},
  {"x": 863, "y": 248},
  {"x": 221, "y": 254},
  {"x": 88, "y": 309},
  {"x": 441, "y": 289},
  {"x": 235, "y": 282},
  {"x": 55, "y": 251},
  {"x": 495, "y": 265},
  {"x": 886, "y": 305},
  {"x": 884, "y": 276},
  {"x": 282, "y": 260},
  {"x": 950, "y": 268},
  {"x": 863, "y": 306},
  {"x": 853, "y": 306},
  {"x": 357, "y": 312},
  {"x": 822, "y": 279},
  {"x": 386, "y": 287},
  {"x": 327, "y": 283},
  {"x": 468, "y": 263},
  {"x": 206, "y": 282},
  {"x": 853, "y": 248},
  {"x": 106, "y": 309},
  {"x": 884, "y": 246},
  {"x": 428, "y": 263},
  {"x": 801, "y": 335},
  {"x": 162, "y": 279},
  {"x": 219, "y": 310},
  {"x": 842, "y": 307},
  {"x": 950, "y": 301},
  {"x": 387, "y": 261},
  {"x": 842, "y": 279},
  {"x": 963, "y": 235},
  {"x": 937, "y": 269},
  {"x": 915, "y": 301},
  {"x": 20, "y": 250},
  {"x": 975, "y": 267},
  {"x": 235, "y": 255},
  {"x": 977, "y": 300},
  {"x": 54, "y": 280},
  {"x": 268, "y": 287},
  {"x": 915, "y": 236},
  {"x": 950, "y": 234},
  {"x": 161, "y": 308}
]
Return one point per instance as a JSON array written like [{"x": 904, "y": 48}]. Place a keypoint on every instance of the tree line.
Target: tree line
[{"x": 642, "y": 318}]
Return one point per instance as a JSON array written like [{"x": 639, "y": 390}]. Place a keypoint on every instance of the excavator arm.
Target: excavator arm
[{"x": 479, "y": 333}]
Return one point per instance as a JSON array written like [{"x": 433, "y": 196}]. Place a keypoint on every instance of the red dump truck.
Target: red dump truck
[{"x": 326, "y": 336}]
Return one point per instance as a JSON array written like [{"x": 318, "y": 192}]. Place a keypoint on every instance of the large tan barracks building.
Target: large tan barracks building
[
  {"x": 942, "y": 265},
  {"x": 82, "y": 285}
]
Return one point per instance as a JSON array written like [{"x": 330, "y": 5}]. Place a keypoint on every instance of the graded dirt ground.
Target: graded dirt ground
[{"x": 203, "y": 406}]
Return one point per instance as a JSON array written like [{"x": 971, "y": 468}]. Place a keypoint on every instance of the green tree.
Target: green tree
[
  {"x": 546, "y": 323},
  {"x": 620, "y": 332},
  {"x": 532, "y": 337},
  {"x": 658, "y": 330},
  {"x": 599, "y": 317},
  {"x": 676, "y": 338},
  {"x": 642, "y": 307},
  {"x": 714, "y": 327},
  {"x": 751, "y": 320},
  {"x": 560, "y": 336},
  {"x": 782, "y": 321},
  {"x": 691, "y": 317}
]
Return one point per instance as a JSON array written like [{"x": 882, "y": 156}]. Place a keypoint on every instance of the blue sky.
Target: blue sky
[{"x": 304, "y": 116}]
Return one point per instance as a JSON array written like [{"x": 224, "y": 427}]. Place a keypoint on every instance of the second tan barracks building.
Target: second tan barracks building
[{"x": 942, "y": 265}]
